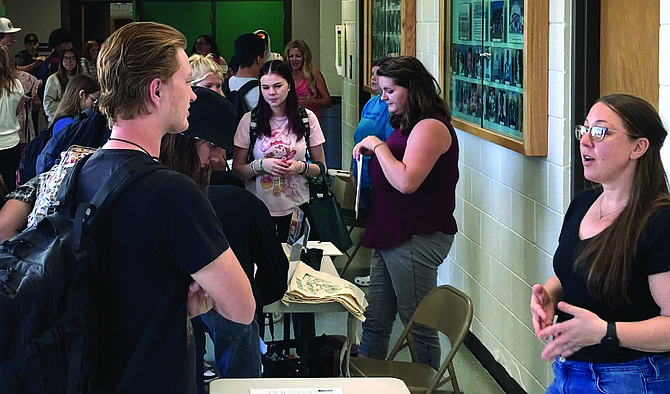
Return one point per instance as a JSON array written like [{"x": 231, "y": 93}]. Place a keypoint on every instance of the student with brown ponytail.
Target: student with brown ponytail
[{"x": 611, "y": 290}]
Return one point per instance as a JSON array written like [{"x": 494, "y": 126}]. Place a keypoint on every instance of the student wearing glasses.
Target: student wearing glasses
[
  {"x": 79, "y": 101},
  {"x": 611, "y": 288},
  {"x": 57, "y": 82}
]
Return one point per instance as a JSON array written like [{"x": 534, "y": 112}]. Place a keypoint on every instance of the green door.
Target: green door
[
  {"x": 193, "y": 19},
  {"x": 238, "y": 17}
]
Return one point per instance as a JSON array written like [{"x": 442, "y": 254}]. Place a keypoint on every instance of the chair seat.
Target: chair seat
[{"x": 416, "y": 376}]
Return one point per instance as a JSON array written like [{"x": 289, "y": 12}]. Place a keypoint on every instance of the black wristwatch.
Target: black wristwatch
[{"x": 610, "y": 341}]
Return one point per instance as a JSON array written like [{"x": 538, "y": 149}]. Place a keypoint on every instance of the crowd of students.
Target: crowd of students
[{"x": 197, "y": 225}]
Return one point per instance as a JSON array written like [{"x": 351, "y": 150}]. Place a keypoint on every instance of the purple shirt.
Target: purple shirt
[{"x": 397, "y": 217}]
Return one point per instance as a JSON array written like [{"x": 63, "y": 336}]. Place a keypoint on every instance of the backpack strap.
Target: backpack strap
[
  {"x": 244, "y": 89},
  {"x": 226, "y": 86},
  {"x": 131, "y": 171},
  {"x": 305, "y": 123},
  {"x": 253, "y": 134},
  {"x": 85, "y": 213}
]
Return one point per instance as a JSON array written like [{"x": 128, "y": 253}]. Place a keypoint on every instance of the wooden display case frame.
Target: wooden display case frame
[
  {"x": 407, "y": 36},
  {"x": 535, "y": 80}
]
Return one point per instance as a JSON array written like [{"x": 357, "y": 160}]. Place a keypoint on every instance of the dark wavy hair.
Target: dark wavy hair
[
  {"x": 264, "y": 112},
  {"x": 59, "y": 36},
  {"x": 213, "y": 48},
  {"x": 180, "y": 153},
  {"x": 607, "y": 259},
  {"x": 423, "y": 92}
]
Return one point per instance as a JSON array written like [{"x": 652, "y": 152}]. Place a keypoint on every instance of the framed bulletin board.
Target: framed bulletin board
[
  {"x": 495, "y": 62},
  {"x": 390, "y": 30}
]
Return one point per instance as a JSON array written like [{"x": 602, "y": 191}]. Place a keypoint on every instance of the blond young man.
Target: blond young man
[{"x": 160, "y": 226}]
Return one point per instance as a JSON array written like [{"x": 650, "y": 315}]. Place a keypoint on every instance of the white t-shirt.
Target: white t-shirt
[
  {"x": 251, "y": 97},
  {"x": 9, "y": 123},
  {"x": 280, "y": 194}
]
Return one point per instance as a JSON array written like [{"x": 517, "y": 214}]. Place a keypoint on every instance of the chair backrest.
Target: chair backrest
[{"x": 447, "y": 310}]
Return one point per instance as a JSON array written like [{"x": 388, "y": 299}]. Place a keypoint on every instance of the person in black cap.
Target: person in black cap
[
  {"x": 29, "y": 60},
  {"x": 211, "y": 127}
]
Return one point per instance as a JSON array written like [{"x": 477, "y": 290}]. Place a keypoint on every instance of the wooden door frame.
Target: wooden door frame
[{"x": 586, "y": 76}]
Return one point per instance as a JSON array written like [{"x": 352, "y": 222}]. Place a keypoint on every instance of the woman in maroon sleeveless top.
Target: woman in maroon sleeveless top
[{"x": 411, "y": 225}]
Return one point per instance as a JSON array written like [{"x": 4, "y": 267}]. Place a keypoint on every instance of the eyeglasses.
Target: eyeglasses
[{"x": 596, "y": 133}]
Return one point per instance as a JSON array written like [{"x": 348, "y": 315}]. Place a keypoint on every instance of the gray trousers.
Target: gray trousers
[{"x": 400, "y": 278}]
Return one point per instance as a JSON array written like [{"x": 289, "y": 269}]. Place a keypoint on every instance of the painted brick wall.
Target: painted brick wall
[
  {"x": 509, "y": 209},
  {"x": 354, "y": 52}
]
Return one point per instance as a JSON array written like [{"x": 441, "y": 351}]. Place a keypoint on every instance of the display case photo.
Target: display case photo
[
  {"x": 495, "y": 67},
  {"x": 389, "y": 30}
]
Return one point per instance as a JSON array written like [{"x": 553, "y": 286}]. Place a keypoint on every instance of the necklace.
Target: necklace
[
  {"x": 280, "y": 125},
  {"x": 132, "y": 143},
  {"x": 601, "y": 215}
]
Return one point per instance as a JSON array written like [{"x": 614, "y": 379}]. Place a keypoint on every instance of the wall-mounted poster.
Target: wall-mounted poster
[
  {"x": 464, "y": 22},
  {"x": 478, "y": 62},
  {"x": 507, "y": 67},
  {"x": 514, "y": 110},
  {"x": 502, "y": 107},
  {"x": 469, "y": 62},
  {"x": 461, "y": 61},
  {"x": 496, "y": 68},
  {"x": 475, "y": 103},
  {"x": 517, "y": 68},
  {"x": 465, "y": 96},
  {"x": 486, "y": 65},
  {"x": 516, "y": 21},
  {"x": 478, "y": 21},
  {"x": 486, "y": 59},
  {"x": 455, "y": 51},
  {"x": 456, "y": 95},
  {"x": 497, "y": 21},
  {"x": 492, "y": 105}
]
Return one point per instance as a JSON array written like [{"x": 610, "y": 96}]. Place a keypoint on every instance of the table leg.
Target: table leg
[
  {"x": 303, "y": 344},
  {"x": 287, "y": 329}
]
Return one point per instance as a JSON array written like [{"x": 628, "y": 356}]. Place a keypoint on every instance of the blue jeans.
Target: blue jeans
[
  {"x": 400, "y": 278},
  {"x": 237, "y": 347},
  {"x": 648, "y": 375}
]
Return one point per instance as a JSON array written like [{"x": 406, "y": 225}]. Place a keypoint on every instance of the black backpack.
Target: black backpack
[
  {"x": 236, "y": 98},
  {"x": 48, "y": 334}
]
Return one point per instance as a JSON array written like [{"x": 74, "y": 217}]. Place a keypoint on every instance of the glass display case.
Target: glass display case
[
  {"x": 390, "y": 30},
  {"x": 492, "y": 49}
]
